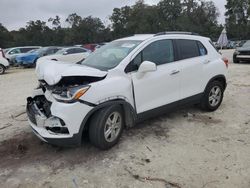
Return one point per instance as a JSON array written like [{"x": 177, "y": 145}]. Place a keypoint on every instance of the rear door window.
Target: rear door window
[
  {"x": 24, "y": 50},
  {"x": 71, "y": 51},
  {"x": 51, "y": 51},
  {"x": 79, "y": 50},
  {"x": 187, "y": 49}
]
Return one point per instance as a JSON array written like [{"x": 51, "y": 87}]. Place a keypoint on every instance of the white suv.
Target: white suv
[
  {"x": 122, "y": 83},
  {"x": 4, "y": 63}
]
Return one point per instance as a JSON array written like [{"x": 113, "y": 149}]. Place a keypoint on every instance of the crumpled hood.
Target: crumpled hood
[{"x": 53, "y": 71}]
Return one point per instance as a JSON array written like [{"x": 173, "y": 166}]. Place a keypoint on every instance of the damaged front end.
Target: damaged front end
[
  {"x": 70, "y": 89},
  {"x": 39, "y": 113},
  {"x": 56, "y": 112}
]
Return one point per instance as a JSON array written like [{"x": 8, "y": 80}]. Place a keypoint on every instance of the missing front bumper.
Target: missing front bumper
[{"x": 49, "y": 130}]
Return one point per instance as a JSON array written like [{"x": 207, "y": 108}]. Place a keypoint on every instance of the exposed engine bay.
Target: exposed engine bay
[{"x": 68, "y": 85}]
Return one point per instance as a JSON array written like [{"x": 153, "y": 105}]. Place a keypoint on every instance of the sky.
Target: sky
[{"x": 16, "y": 13}]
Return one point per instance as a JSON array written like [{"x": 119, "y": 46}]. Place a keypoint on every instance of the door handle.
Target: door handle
[
  {"x": 206, "y": 61},
  {"x": 174, "y": 72}
]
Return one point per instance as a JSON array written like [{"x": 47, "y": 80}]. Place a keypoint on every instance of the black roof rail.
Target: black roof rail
[{"x": 175, "y": 33}]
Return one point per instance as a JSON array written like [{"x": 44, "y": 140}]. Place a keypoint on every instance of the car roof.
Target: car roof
[
  {"x": 73, "y": 47},
  {"x": 184, "y": 35},
  {"x": 24, "y": 47},
  {"x": 141, "y": 37}
]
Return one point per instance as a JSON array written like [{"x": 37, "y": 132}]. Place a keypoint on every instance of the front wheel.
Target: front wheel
[
  {"x": 213, "y": 96},
  {"x": 106, "y": 127}
]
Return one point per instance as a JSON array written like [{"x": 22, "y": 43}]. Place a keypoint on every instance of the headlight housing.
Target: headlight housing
[{"x": 70, "y": 94}]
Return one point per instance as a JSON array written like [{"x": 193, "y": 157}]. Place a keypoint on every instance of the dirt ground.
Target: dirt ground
[{"x": 187, "y": 148}]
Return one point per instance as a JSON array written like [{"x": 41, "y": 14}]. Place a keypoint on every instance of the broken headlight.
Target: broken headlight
[{"x": 70, "y": 94}]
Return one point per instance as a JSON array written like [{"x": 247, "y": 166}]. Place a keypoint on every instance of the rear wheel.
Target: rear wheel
[
  {"x": 213, "y": 96},
  {"x": 2, "y": 69},
  {"x": 106, "y": 127}
]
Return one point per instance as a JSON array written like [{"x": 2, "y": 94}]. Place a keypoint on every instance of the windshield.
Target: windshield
[
  {"x": 110, "y": 55},
  {"x": 246, "y": 44},
  {"x": 42, "y": 50}
]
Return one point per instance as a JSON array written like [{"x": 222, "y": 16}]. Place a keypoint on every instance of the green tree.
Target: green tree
[
  {"x": 58, "y": 31},
  {"x": 74, "y": 20},
  {"x": 5, "y": 37},
  {"x": 237, "y": 21},
  {"x": 56, "y": 23},
  {"x": 120, "y": 19},
  {"x": 38, "y": 33},
  {"x": 169, "y": 13}
]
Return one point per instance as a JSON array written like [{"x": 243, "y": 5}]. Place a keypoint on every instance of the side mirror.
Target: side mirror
[
  {"x": 147, "y": 66},
  {"x": 65, "y": 53}
]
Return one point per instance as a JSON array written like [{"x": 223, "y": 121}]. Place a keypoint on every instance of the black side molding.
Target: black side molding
[{"x": 169, "y": 107}]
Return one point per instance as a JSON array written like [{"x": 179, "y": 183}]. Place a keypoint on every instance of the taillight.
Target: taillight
[{"x": 225, "y": 61}]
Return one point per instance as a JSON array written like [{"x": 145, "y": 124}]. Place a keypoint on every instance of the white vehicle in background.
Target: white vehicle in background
[
  {"x": 4, "y": 64},
  {"x": 68, "y": 55},
  {"x": 122, "y": 83},
  {"x": 11, "y": 53}
]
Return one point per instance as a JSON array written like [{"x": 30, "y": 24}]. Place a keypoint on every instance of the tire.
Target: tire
[
  {"x": 99, "y": 125},
  {"x": 213, "y": 96},
  {"x": 235, "y": 60},
  {"x": 34, "y": 64},
  {"x": 2, "y": 69}
]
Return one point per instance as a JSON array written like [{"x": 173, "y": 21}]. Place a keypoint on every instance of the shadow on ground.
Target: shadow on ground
[{"x": 26, "y": 148}]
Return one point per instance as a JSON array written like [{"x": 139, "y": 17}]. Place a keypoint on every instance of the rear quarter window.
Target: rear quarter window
[{"x": 202, "y": 48}]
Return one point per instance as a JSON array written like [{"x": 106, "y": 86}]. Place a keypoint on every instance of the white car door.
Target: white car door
[
  {"x": 193, "y": 56},
  {"x": 72, "y": 58},
  {"x": 160, "y": 87},
  {"x": 75, "y": 55},
  {"x": 78, "y": 57}
]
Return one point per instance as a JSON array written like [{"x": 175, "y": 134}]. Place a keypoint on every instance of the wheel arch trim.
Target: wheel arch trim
[
  {"x": 129, "y": 113},
  {"x": 218, "y": 77}
]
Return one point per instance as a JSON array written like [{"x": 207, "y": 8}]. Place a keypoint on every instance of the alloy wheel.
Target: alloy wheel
[
  {"x": 215, "y": 96},
  {"x": 113, "y": 126}
]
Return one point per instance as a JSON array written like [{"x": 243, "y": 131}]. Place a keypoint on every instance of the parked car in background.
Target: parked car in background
[
  {"x": 29, "y": 59},
  {"x": 4, "y": 63},
  {"x": 100, "y": 45},
  {"x": 91, "y": 47},
  {"x": 68, "y": 55},
  {"x": 125, "y": 82},
  {"x": 242, "y": 53},
  {"x": 231, "y": 45},
  {"x": 11, "y": 53},
  {"x": 241, "y": 43}
]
